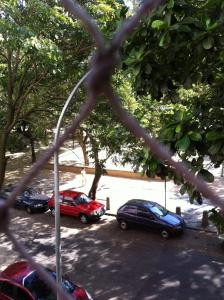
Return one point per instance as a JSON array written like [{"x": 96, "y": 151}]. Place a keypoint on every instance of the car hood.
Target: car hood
[
  {"x": 171, "y": 219},
  {"x": 93, "y": 205}
]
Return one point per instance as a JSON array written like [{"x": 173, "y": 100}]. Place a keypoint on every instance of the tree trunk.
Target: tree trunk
[
  {"x": 82, "y": 142},
  {"x": 3, "y": 158},
  {"x": 93, "y": 189},
  {"x": 99, "y": 170},
  {"x": 85, "y": 154},
  {"x": 33, "y": 153}
]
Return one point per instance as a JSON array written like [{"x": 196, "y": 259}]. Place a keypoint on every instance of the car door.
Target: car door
[
  {"x": 129, "y": 213},
  {"x": 67, "y": 206},
  {"x": 146, "y": 218}
]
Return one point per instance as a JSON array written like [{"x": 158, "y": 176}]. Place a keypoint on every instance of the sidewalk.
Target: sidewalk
[{"x": 120, "y": 190}]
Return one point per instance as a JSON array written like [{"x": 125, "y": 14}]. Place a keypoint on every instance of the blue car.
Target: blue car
[
  {"x": 30, "y": 199},
  {"x": 151, "y": 215}
]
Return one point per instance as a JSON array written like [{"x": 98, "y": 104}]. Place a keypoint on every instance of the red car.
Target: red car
[
  {"x": 77, "y": 204},
  {"x": 20, "y": 282}
]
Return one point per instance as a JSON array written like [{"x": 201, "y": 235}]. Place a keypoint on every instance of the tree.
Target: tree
[
  {"x": 33, "y": 60},
  {"x": 176, "y": 56}
]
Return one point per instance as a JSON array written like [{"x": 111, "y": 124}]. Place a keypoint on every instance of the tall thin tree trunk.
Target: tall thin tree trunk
[
  {"x": 3, "y": 158},
  {"x": 85, "y": 154},
  {"x": 33, "y": 153},
  {"x": 93, "y": 189},
  {"x": 99, "y": 170},
  {"x": 82, "y": 142}
]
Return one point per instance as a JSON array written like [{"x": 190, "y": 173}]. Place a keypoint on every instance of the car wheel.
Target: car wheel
[
  {"x": 53, "y": 212},
  {"x": 83, "y": 218},
  {"x": 165, "y": 234},
  {"x": 123, "y": 225},
  {"x": 29, "y": 210}
]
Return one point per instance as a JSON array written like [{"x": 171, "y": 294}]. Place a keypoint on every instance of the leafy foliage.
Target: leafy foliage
[
  {"x": 176, "y": 58},
  {"x": 216, "y": 216}
]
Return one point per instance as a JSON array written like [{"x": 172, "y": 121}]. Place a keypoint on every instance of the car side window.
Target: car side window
[
  {"x": 131, "y": 210},
  {"x": 68, "y": 201},
  {"x": 143, "y": 212}
]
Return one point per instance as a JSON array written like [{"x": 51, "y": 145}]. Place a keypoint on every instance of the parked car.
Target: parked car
[
  {"x": 77, "y": 204},
  {"x": 30, "y": 199},
  {"x": 150, "y": 214},
  {"x": 20, "y": 282}
]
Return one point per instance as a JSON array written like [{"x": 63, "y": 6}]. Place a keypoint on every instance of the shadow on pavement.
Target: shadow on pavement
[{"x": 113, "y": 264}]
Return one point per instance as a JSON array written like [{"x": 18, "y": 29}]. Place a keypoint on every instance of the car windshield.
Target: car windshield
[
  {"x": 39, "y": 288},
  {"x": 31, "y": 191},
  {"x": 82, "y": 199},
  {"x": 158, "y": 210}
]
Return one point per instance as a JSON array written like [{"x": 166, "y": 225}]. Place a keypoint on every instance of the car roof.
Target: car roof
[
  {"x": 71, "y": 193},
  {"x": 141, "y": 202}
]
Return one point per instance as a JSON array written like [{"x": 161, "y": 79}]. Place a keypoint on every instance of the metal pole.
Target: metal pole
[
  {"x": 56, "y": 186},
  {"x": 165, "y": 190}
]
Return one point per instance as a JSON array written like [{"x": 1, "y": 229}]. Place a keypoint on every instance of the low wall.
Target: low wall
[{"x": 110, "y": 172}]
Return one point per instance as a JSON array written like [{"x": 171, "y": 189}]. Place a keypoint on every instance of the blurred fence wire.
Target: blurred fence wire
[{"x": 103, "y": 64}]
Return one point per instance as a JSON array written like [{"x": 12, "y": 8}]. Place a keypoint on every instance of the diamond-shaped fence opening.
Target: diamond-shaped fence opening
[{"x": 103, "y": 64}]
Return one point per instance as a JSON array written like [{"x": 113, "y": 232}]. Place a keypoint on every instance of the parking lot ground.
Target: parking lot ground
[{"x": 113, "y": 264}]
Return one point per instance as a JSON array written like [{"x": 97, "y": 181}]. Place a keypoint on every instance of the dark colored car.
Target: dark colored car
[
  {"x": 20, "y": 282},
  {"x": 77, "y": 204},
  {"x": 150, "y": 214},
  {"x": 30, "y": 199}
]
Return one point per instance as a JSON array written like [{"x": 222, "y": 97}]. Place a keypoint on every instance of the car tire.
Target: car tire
[
  {"x": 83, "y": 219},
  {"x": 52, "y": 212},
  {"x": 123, "y": 225},
  {"x": 165, "y": 234},
  {"x": 29, "y": 210}
]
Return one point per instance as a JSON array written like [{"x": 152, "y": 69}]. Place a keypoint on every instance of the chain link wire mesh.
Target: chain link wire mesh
[{"x": 103, "y": 64}]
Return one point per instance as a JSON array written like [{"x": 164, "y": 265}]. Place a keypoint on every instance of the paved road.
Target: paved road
[{"x": 129, "y": 265}]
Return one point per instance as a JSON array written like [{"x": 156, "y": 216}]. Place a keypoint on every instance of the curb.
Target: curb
[
  {"x": 201, "y": 229},
  {"x": 187, "y": 227}
]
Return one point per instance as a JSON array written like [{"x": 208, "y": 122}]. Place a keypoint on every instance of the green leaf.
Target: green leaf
[
  {"x": 146, "y": 153},
  {"x": 178, "y": 128},
  {"x": 208, "y": 43},
  {"x": 158, "y": 24},
  {"x": 214, "y": 148},
  {"x": 194, "y": 136},
  {"x": 183, "y": 189},
  {"x": 183, "y": 143},
  {"x": 190, "y": 20},
  {"x": 170, "y": 4},
  {"x": 165, "y": 39},
  {"x": 206, "y": 175},
  {"x": 214, "y": 135},
  {"x": 162, "y": 40},
  {"x": 148, "y": 69},
  {"x": 213, "y": 26},
  {"x": 153, "y": 166}
]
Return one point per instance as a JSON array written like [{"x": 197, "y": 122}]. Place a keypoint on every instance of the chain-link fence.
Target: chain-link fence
[{"x": 103, "y": 64}]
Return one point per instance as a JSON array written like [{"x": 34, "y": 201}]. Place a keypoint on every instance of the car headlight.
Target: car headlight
[{"x": 94, "y": 213}]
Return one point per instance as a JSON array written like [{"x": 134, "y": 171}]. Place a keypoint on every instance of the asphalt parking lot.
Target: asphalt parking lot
[{"x": 113, "y": 264}]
